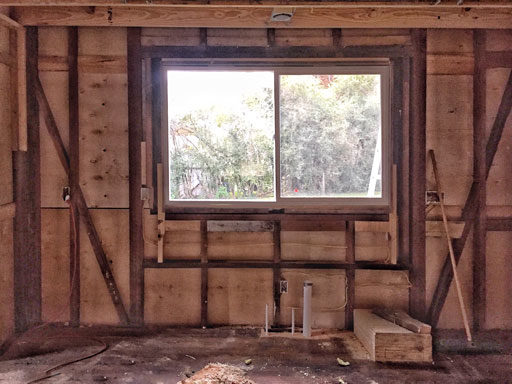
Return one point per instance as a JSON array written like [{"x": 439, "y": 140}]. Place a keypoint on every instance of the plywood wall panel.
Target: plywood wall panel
[
  {"x": 96, "y": 305},
  {"x": 499, "y": 182},
  {"x": 358, "y": 37},
  {"x": 306, "y": 245},
  {"x": 102, "y": 41},
  {"x": 328, "y": 297},
  {"x": 437, "y": 251},
  {"x": 449, "y": 40},
  {"x": 236, "y": 37},
  {"x": 450, "y": 134},
  {"x": 388, "y": 289},
  {"x": 498, "y": 40},
  {"x": 499, "y": 290},
  {"x": 303, "y": 37},
  {"x": 240, "y": 245},
  {"x": 182, "y": 240},
  {"x": 53, "y": 176},
  {"x": 170, "y": 36},
  {"x": 55, "y": 281},
  {"x": 53, "y": 41},
  {"x": 104, "y": 139},
  {"x": 238, "y": 296},
  {"x": 173, "y": 296}
]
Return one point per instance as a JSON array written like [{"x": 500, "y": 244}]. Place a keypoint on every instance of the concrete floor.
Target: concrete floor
[{"x": 167, "y": 356}]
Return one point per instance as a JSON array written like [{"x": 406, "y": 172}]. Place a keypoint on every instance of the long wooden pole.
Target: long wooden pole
[{"x": 450, "y": 247}]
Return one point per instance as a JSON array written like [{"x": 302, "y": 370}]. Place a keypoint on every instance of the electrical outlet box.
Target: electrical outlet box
[{"x": 283, "y": 286}]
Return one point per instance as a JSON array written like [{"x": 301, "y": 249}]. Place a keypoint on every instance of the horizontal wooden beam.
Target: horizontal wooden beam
[
  {"x": 499, "y": 224},
  {"x": 264, "y": 3},
  {"x": 299, "y": 52},
  {"x": 279, "y": 216},
  {"x": 257, "y": 17},
  {"x": 196, "y": 263}
]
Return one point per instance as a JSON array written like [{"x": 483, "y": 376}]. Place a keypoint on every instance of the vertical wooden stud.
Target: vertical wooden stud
[
  {"x": 204, "y": 273},
  {"x": 74, "y": 180},
  {"x": 277, "y": 272},
  {"x": 22, "y": 89},
  {"x": 160, "y": 212},
  {"x": 135, "y": 177},
  {"x": 417, "y": 169},
  {"x": 350, "y": 243},
  {"x": 479, "y": 178}
]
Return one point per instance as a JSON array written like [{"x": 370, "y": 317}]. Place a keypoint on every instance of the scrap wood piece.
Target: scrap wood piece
[
  {"x": 216, "y": 373},
  {"x": 78, "y": 201},
  {"x": 403, "y": 319}
]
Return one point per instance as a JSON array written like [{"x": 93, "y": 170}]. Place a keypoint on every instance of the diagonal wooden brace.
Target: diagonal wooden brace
[{"x": 78, "y": 201}]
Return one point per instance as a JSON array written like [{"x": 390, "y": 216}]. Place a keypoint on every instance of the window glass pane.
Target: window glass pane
[
  {"x": 221, "y": 135},
  {"x": 330, "y": 136}
]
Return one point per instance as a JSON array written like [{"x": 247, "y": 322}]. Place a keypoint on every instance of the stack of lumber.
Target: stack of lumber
[{"x": 390, "y": 341}]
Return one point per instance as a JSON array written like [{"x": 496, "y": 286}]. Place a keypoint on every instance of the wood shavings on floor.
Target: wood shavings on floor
[{"x": 216, "y": 373}]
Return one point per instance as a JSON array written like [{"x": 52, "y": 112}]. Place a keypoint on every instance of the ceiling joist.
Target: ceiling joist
[{"x": 259, "y": 17}]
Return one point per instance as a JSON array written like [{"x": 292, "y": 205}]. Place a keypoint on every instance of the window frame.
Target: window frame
[{"x": 318, "y": 204}]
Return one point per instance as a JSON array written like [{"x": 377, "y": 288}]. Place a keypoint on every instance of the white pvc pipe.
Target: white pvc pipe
[{"x": 306, "y": 317}]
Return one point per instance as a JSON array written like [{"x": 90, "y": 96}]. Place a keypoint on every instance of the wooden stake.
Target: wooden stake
[{"x": 450, "y": 247}]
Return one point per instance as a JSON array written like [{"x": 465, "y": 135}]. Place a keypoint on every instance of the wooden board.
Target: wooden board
[
  {"x": 5, "y": 137},
  {"x": 55, "y": 264},
  {"x": 240, "y": 246},
  {"x": 304, "y": 37},
  {"x": 236, "y": 37},
  {"x": 382, "y": 288},
  {"x": 246, "y": 17},
  {"x": 104, "y": 139},
  {"x": 173, "y": 297},
  {"x": 308, "y": 245},
  {"x": 499, "y": 182},
  {"x": 437, "y": 250},
  {"x": 499, "y": 290},
  {"x": 375, "y": 36},
  {"x": 96, "y": 304},
  {"x": 388, "y": 342},
  {"x": 449, "y": 121},
  {"x": 499, "y": 40},
  {"x": 170, "y": 36},
  {"x": 238, "y": 296},
  {"x": 53, "y": 175},
  {"x": 328, "y": 297}
]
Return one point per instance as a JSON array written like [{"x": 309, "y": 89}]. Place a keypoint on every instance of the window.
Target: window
[{"x": 277, "y": 137}]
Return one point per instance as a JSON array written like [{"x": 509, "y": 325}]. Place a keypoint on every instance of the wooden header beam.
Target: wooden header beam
[
  {"x": 262, "y": 3},
  {"x": 259, "y": 17}
]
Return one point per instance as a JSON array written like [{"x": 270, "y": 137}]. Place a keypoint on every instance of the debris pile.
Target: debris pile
[{"x": 216, "y": 373}]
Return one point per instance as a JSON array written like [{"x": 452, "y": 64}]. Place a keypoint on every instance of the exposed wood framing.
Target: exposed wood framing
[
  {"x": 204, "y": 273},
  {"x": 74, "y": 180},
  {"x": 135, "y": 181},
  {"x": 469, "y": 211},
  {"x": 6, "y": 21},
  {"x": 289, "y": 264},
  {"x": 27, "y": 222},
  {"x": 262, "y": 3},
  {"x": 252, "y": 17},
  {"x": 295, "y": 219},
  {"x": 22, "y": 88},
  {"x": 7, "y": 211},
  {"x": 350, "y": 275},
  {"x": 79, "y": 202},
  {"x": 499, "y": 224},
  {"x": 304, "y": 53},
  {"x": 417, "y": 181},
  {"x": 277, "y": 272},
  {"x": 479, "y": 178}
]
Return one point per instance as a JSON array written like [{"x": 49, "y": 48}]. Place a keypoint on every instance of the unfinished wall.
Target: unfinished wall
[
  {"x": 6, "y": 183},
  {"x": 238, "y": 296}
]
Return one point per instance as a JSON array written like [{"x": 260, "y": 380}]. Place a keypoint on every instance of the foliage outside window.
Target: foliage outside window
[{"x": 276, "y": 136}]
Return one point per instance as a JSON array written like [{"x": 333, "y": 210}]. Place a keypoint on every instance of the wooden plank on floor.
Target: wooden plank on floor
[{"x": 388, "y": 342}]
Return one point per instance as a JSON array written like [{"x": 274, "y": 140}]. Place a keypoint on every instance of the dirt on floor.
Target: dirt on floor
[{"x": 173, "y": 355}]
